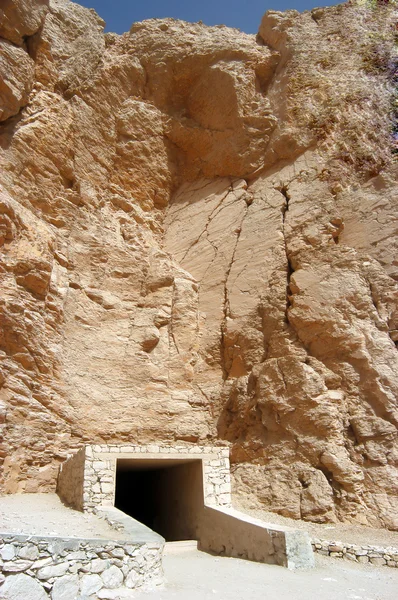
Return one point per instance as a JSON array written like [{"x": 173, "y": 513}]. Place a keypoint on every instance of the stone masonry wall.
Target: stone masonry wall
[
  {"x": 100, "y": 471},
  {"x": 39, "y": 568},
  {"x": 374, "y": 555}
]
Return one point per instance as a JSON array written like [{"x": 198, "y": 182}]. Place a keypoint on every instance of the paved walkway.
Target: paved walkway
[{"x": 194, "y": 575}]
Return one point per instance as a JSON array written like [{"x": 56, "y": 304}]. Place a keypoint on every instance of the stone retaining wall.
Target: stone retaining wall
[
  {"x": 37, "y": 568},
  {"x": 375, "y": 555},
  {"x": 228, "y": 532}
]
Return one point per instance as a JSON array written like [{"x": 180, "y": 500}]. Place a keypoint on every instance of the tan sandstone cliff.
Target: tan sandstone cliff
[{"x": 198, "y": 232}]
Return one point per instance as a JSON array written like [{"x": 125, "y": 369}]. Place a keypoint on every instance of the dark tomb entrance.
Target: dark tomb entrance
[{"x": 166, "y": 495}]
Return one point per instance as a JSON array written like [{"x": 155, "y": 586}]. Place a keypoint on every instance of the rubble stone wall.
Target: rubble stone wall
[
  {"x": 43, "y": 567},
  {"x": 375, "y": 555}
]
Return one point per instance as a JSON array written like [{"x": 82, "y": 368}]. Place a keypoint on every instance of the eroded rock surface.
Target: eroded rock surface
[
  {"x": 20, "y": 19},
  {"x": 198, "y": 232}
]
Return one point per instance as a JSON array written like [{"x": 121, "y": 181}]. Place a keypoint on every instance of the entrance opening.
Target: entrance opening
[{"x": 166, "y": 495}]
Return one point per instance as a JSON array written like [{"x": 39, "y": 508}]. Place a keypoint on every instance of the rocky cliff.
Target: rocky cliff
[{"x": 198, "y": 232}]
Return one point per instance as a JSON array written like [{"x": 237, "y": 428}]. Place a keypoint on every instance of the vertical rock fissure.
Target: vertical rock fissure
[
  {"x": 226, "y": 304},
  {"x": 170, "y": 328},
  {"x": 373, "y": 299},
  {"x": 375, "y": 303},
  {"x": 289, "y": 269}
]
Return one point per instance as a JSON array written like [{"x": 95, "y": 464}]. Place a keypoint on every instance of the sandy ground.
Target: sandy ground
[
  {"x": 44, "y": 514},
  {"x": 194, "y": 575},
  {"x": 342, "y": 532}
]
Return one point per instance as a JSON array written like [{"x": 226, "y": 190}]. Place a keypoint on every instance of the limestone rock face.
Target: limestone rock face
[
  {"x": 198, "y": 242},
  {"x": 20, "y": 19},
  {"x": 17, "y": 70}
]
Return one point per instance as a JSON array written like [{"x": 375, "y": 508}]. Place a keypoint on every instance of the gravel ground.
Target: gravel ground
[
  {"x": 342, "y": 532},
  {"x": 44, "y": 514},
  {"x": 193, "y": 575}
]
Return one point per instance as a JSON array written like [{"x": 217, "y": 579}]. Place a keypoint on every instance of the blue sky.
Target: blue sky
[{"x": 246, "y": 14}]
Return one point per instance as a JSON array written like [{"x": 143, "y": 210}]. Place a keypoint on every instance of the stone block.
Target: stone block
[
  {"x": 42, "y": 562},
  {"x": 90, "y": 585},
  {"x": 362, "y": 559},
  {"x": 153, "y": 449},
  {"x": 79, "y": 555},
  {"x": 98, "y": 565},
  {"x": 225, "y": 488},
  {"x": 112, "y": 577},
  {"x": 361, "y": 552},
  {"x": 8, "y": 552},
  {"x": 130, "y": 549},
  {"x": 17, "y": 566},
  {"x": 22, "y": 587},
  {"x": 53, "y": 571},
  {"x": 224, "y": 498},
  {"x": 140, "y": 560},
  {"x": 351, "y": 557},
  {"x": 336, "y": 548},
  {"x": 29, "y": 552},
  {"x": 299, "y": 552},
  {"x": 65, "y": 588},
  {"x": 107, "y": 488},
  {"x": 378, "y": 561},
  {"x": 133, "y": 579},
  {"x": 75, "y": 568},
  {"x": 100, "y": 465}
]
